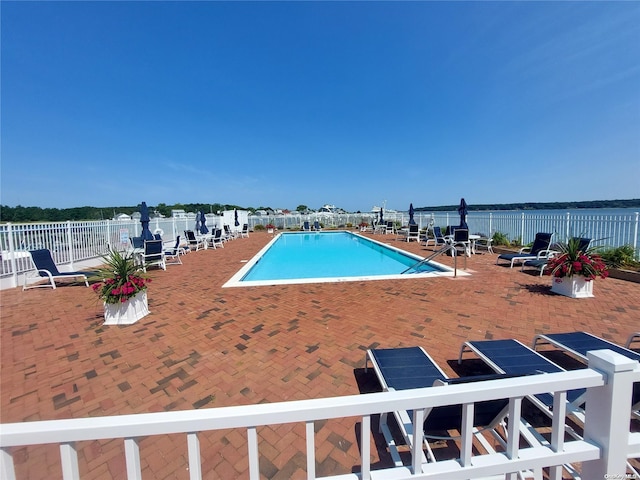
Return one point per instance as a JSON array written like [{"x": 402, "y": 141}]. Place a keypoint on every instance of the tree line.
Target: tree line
[
  {"x": 633, "y": 203},
  {"x": 20, "y": 214}
]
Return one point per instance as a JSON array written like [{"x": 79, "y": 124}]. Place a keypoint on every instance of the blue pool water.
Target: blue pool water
[{"x": 328, "y": 255}]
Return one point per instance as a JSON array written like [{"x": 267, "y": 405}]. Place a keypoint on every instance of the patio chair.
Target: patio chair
[
  {"x": 577, "y": 344},
  {"x": 216, "y": 240},
  {"x": 390, "y": 227},
  {"x": 137, "y": 243},
  {"x": 244, "y": 233},
  {"x": 535, "y": 252},
  {"x": 316, "y": 226},
  {"x": 153, "y": 255},
  {"x": 228, "y": 234},
  {"x": 412, "y": 234},
  {"x": 512, "y": 357},
  {"x": 45, "y": 267},
  {"x": 306, "y": 227},
  {"x": 173, "y": 253},
  {"x": 411, "y": 367},
  {"x": 461, "y": 240},
  {"x": 438, "y": 238},
  {"x": 194, "y": 242}
]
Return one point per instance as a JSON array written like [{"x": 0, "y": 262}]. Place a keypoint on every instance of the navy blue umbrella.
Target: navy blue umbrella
[
  {"x": 381, "y": 214},
  {"x": 144, "y": 220},
  {"x": 235, "y": 214},
  {"x": 462, "y": 210},
  {"x": 203, "y": 224},
  {"x": 197, "y": 229},
  {"x": 411, "y": 220}
]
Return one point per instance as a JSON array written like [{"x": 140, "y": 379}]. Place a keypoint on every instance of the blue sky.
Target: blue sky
[{"x": 280, "y": 104}]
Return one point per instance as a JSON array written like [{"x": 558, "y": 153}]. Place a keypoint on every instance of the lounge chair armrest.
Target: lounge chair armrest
[{"x": 525, "y": 250}]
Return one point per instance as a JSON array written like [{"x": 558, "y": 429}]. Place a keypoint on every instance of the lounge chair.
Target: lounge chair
[
  {"x": 172, "y": 254},
  {"x": 541, "y": 262},
  {"x": 411, "y": 367},
  {"x": 577, "y": 344},
  {"x": 514, "y": 358},
  {"x": 244, "y": 233},
  {"x": 228, "y": 234},
  {"x": 153, "y": 255},
  {"x": 194, "y": 242},
  {"x": 316, "y": 226},
  {"x": 45, "y": 267},
  {"x": 390, "y": 227},
  {"x": 535, "y": 252},
  {"x": 437, "y": 240},
  {"x": 306, "y": 227},
  {"x": 633, "y": 338}
]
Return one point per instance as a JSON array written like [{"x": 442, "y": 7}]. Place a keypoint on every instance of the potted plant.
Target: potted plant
[
  {"x": 270, "y": 227},
  {"x": 574, "y": 268},
  {"x": 122, "y": 289}
]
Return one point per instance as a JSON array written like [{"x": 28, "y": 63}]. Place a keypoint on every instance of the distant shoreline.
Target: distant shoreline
[{"x": 633, "y": 203}]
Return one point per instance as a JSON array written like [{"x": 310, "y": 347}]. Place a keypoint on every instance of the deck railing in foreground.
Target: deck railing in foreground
[{"x": 603, "y": 451}]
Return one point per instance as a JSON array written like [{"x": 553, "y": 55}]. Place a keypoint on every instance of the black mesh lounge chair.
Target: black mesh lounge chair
[
  {"x": 540, "y": 244},
  {"x": 45, "y": 267},
  {"x": 577, "y": 344},
  {"x": 244, "y": 233},
  {"x": 514, "y": 358},
  {"x": 316, "y": 226},
  {"x": 306, "y": 227},
  {"x": 411, "y": 367},
  {"x": 544, "y": 256}
]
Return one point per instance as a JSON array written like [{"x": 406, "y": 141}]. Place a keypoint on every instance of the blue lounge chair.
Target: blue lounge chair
[
  {"x": 195, "y": 243},
  {"x": 544, "y": 257},
  {"x": 411, "y": 367},
  {"x": 577, "y": 344},
  {"x": 535, "y": 252},
  {"x": 306, "y": 227},
  {"x": 316, "y": 226},
  {"x": 513, "y": 357},
  {"x": 216, "y": 240},
  {"x": 45, "y": 267}
]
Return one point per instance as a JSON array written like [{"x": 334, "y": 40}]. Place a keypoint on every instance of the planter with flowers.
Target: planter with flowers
[
  {"x": 122, "y": 289},
  {"x": 574, "y": 269},
  {"x": 270, "y": 228}
]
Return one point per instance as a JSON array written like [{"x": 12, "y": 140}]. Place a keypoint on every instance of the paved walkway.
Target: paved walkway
[{"x": 204, "y": 346}]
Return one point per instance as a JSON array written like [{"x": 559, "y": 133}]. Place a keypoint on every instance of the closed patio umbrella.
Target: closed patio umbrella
[
  {"x": 144, "y": 220},
  {"x": 411, "y": 220},
  {"x": 235, "y": 215},
  {"x": 381, "y": 215},
  {"x": 203, "y": 224},
  {"x": 462, "y": 210}
]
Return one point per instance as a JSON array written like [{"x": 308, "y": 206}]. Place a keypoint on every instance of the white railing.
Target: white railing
[
  {"x": 80, "y": 244},
  {"x": 603, "y": 450}
]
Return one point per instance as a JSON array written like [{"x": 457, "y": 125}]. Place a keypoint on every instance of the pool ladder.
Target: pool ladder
[{"x": 444, "y": 249}]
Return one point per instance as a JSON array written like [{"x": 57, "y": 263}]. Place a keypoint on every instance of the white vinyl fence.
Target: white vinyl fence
[{"x": 80, "y": 244}]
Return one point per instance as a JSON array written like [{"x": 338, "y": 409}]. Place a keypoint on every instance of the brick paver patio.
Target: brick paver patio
[{"x": 203, "y": 346}]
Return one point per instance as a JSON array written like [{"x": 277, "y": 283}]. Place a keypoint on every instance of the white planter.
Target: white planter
[
  {"x": 269, "y": 230},
  {"x": 574, "y": 287},
  {"x": 126, "y": 313}
]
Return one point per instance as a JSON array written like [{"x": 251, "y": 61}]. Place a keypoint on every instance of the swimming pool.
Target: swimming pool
[{"x": 303, "y": 257}]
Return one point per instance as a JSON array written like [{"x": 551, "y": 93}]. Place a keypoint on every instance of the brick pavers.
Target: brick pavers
[{"x": 203, "y": 346}]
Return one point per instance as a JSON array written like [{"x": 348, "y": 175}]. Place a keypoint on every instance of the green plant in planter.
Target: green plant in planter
[
  {"x": 572, "y": 260},
  {"x": 120, "y": 279}
]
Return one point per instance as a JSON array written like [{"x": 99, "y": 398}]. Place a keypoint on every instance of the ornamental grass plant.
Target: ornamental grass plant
[
  {"x": 120, "y": 278},
  {"x": 573, "y": 260}
]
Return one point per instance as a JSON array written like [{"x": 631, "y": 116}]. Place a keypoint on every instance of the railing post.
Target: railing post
[
  {"x": 12, "y": 256},
  {"x": 608, "y": 409},
  {"x": 635, "y": 237},
  {"x": 568, "y": 227},
  {"x": 70, "y": 242},
  {"x": 522, "y": 242}
]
